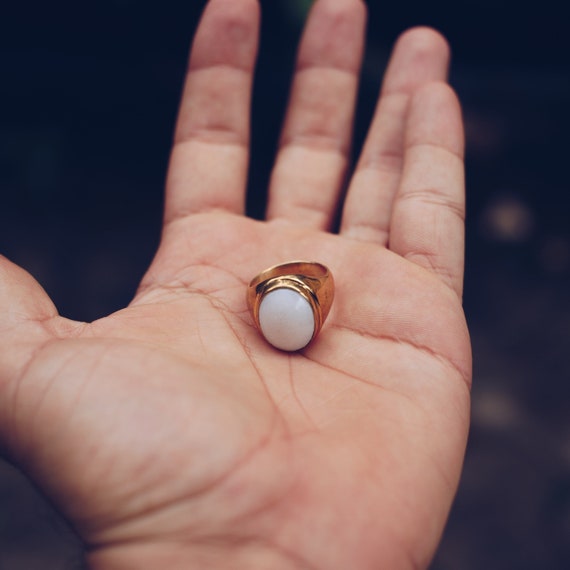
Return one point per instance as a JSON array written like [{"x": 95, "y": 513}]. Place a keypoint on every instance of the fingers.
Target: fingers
[
  {"x": 420, "y": 55},
  {"x": 314, "y": 147},
  {"x": 208, "y": 168},
  {"x": 429, "y": 209}
]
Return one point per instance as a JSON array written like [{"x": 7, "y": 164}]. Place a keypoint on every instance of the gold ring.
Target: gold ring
[{"x": 290, "y": 302}]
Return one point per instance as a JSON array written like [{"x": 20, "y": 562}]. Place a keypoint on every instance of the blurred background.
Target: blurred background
[{"x": 88, "y": 99}]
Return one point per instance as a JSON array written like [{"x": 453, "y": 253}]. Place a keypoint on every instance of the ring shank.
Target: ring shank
[{"x": 300, "y": 268}]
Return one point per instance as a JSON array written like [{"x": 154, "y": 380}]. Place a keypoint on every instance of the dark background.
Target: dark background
[{"x": 88, "y": 98}]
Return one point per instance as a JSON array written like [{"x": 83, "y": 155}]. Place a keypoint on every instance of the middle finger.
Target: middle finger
[{"x": 314, "y": 148}]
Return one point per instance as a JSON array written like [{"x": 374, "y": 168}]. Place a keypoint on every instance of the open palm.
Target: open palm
[{"x": 170, "y": 433}]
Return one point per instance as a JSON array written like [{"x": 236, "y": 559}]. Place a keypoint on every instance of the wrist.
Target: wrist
[{"x": 214, "y": 556}]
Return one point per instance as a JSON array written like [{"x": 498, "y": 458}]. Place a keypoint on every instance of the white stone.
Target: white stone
[{"x": 286, "y": 319}]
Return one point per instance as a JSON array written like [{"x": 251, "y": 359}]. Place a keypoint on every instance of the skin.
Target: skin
[{"x": 170, "y": 433}]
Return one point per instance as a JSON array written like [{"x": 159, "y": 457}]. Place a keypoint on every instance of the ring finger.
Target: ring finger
[{"x": 421, "y": 55}]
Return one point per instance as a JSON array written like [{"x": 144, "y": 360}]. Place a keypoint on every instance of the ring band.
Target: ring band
[{"x": 290, "y": 302}]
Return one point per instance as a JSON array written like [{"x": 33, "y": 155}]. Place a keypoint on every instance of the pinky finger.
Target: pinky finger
[{"x": 428, "y": 217}]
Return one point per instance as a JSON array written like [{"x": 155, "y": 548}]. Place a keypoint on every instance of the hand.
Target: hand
[{"x": 170, "y": 433}]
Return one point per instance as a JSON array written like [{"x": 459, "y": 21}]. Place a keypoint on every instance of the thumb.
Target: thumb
[
  {"x": 26, "y": 312},
  {"x": 21, "y": 295},
  {"x": 26, "y": 318}
]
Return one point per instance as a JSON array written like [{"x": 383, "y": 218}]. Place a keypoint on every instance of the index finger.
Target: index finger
[{"x": 208, "y": 166}]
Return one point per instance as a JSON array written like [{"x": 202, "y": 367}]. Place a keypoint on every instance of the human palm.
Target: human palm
[{"x": 170, "y": 432}]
